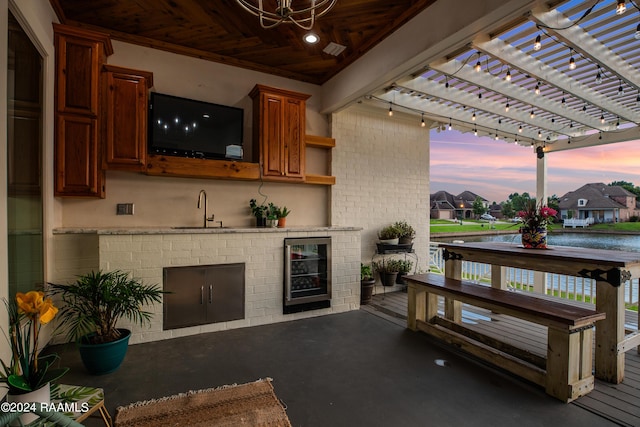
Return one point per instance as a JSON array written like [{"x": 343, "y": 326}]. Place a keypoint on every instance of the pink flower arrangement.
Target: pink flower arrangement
[{"x": 537, "y": 215}]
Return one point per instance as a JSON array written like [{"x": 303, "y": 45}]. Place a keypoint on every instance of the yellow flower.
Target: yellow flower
[{"x": 33, "y": 304}]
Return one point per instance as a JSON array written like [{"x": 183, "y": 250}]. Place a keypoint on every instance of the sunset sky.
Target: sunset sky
[{"x": 495, "y": 169}]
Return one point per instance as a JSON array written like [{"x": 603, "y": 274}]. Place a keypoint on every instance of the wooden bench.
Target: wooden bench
[{"x": 566, "y": 372}]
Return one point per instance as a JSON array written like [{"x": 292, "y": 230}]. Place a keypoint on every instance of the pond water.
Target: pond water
[{"x": 621, "y": 242}]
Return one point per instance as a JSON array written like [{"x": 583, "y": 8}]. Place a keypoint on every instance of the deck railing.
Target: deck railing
[{"x": 575, "y": 288}]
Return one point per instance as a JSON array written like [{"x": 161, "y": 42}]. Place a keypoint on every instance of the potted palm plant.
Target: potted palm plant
[{"x": 93, "y": 305}]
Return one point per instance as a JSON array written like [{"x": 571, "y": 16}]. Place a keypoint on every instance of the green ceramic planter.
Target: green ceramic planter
[{"x": 104, "y": 358}]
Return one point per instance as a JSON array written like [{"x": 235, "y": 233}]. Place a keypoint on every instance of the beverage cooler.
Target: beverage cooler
[{"x": 307, "y": 274}]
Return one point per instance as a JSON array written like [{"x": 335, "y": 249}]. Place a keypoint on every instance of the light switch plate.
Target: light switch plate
[{"x": 124, "y": 209}]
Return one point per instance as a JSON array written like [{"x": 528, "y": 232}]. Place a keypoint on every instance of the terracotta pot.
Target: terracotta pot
[
  {"x": 534, "y": 238},
  {"x": 282, "y": 222}
]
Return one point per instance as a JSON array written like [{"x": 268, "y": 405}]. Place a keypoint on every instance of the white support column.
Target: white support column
[{"x": 540, "y": 278}]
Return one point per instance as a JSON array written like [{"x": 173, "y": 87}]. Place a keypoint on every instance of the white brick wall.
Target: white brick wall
[
  {"x": 381, "y": 165},
  {"x": 145, "y": 255}
]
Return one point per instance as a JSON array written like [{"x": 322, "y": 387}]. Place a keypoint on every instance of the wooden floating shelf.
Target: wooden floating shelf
[
  {"x": 320, "y": 179},
  {"x": 319, "y": 141},
  {"x": 201, "y": 168}
]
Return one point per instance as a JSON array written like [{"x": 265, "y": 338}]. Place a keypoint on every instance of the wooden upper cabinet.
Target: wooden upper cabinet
[
  {"x": 80, "y": 55},
  {"x": 124, "y": 118},
  {"x": 278, "y": 132}
]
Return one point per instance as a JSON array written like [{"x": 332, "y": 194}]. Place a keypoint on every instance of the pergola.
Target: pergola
[{"x": 560, "y": 76}]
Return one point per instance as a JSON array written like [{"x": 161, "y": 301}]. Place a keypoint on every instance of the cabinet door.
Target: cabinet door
[
  {"x": 294, "y": 116},
  {"x": 125, "y": 118},
  {"x": 76, "y": 157},
  {"x": 77, "y": 73},
  {"x": 225, "y": 284},
  {"x": 186, "y": 304},
  {"x": 271, "y": 135}
]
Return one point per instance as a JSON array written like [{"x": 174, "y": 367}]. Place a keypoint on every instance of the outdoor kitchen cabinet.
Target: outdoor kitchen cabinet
[
  {"x": 79, "y": 55},
  {"x": 203, "y": 294},
  {"x": 124, "y": 131},
  {"x": 279, "y": 132}
]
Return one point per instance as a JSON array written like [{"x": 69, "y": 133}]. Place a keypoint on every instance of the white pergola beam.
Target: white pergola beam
[
  {"x": 442, "y": 113},
  {"x": 630, "y": 134},
  {"x": 514, "y": 91},
  {"x": 590, "y": 47}
]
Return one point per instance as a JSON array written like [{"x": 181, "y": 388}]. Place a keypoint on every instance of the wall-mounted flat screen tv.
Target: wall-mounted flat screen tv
[{"x": 189, "y": 128}]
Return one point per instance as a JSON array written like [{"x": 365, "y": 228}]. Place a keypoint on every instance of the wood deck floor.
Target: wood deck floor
[{"x": 617, "y": 402}]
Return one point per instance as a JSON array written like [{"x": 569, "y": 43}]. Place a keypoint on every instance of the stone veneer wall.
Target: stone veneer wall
[
  {"x": 381, "y": 165},
  {"x": 145, "y": 255}
]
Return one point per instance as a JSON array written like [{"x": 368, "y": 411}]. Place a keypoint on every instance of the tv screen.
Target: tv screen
[{"x": 189, "y": 128}]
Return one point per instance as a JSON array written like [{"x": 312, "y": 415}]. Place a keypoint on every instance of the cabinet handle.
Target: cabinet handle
[
  {"x": 210, "y": 294},
  {"x": 201, "y": 295}
]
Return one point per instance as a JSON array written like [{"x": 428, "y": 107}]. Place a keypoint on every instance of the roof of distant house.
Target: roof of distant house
[{"x": 597, "y": 195}]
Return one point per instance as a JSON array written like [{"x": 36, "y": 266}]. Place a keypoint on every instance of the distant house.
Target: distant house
[
  {"x": 603, "y": 203},
  {"x": 445, "y": 205}
]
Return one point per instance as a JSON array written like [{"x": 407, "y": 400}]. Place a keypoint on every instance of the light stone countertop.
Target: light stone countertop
[{"x": 195, "y": 230}]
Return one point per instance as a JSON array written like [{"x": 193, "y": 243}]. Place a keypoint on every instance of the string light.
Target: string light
[
  {"x": 538, "y": 43},
  {"x": 422, "y": 123},
  {"x": 508, "y": 76},
  {"x": 620, "y": 89},
  {"x": 564, "y": 101},
  {"x": 533, "y": 114},
  {"x": 584, "y": 107},
  {"x": 638, "y": 99},
  {"x": 598, "y": 76},
  {"x": 478, "y": 66},
  {"x": 539, "y": 134},
  {"x": 572, "y": 61},
  {"x": 446, "y": 82},
  {"x": 475, "y": 131},
  {"x": 450, "y": 123},
  {"x": 390, "y": 110},
  {"x": 496, "y": 137},
  {"x": 621, "y": 7},
  {"x": 637, "y": 35},
  {"x": 474, "y": 116},
  {"x": 602, "y": 117},
  {"x": 520, "y": 129},
  {"x": 618, "y": 123},
  {"x": 506, "y": 107},
  {"x": 537, "y": 89}
]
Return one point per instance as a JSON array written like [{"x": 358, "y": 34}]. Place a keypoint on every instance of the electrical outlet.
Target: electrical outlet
[{"x": 124, "y": 209}]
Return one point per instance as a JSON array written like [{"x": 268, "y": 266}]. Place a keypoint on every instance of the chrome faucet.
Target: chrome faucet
[{"x": 202, "y": 200}]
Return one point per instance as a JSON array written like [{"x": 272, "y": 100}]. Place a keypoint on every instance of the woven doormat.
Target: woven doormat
[{"x": 252, "y": 404}]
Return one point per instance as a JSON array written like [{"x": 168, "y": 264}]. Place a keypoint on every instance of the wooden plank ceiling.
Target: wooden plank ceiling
[{"x": 221, "y": 31}]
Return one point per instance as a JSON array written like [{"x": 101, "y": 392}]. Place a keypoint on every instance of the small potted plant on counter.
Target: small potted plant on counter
[
  {"x": 259, "y": 211},
  {"x": 366, "y": 284},
  {"x": 272, "y": 215},
  {"x": 282, "y": 217}
]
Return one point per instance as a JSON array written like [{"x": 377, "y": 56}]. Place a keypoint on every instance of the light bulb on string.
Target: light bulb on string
[
  {"x": 539, "y": 134},
  {"x": 538, "y": 43},
  {"x": 478, "y": 66},
  {"x": 450, "y": 127},
  {"x": 474, "y": 116},
  {"x": 618, "y": 123},
  {"x": 533, "y": 114},
  {"x": 422, "y": 123},
  {"x": 508, "y": 76},
  {"x": 496, "y": 137},
  {"x": 572, "y": 61},
  {"x": 598, "y": 76},
  {"x": 475, "y": 131},
  {"x": 390, "y": 110},
  {"x": 446, "y": 82},
  {"x": 602, "y": 117},
  {"x": 520, "y": 129},
  {"x": 537, "y": 89},
  {"x": 620, "y": 89},
  {"x": 506, "y": 107}
]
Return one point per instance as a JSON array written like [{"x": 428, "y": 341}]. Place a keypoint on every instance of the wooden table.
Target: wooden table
[{"x": 610, "y": 270}]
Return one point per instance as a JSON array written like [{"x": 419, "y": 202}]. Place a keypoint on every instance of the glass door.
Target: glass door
[
  {"x": 307, "y": 270},
  {"x": 24, "y": 162}
]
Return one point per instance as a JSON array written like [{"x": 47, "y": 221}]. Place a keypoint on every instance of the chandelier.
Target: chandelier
[{"x": 284, "y": 13}]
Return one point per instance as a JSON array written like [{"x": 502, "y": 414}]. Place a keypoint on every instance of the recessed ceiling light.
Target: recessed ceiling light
[{"x": 311, "y": 38}]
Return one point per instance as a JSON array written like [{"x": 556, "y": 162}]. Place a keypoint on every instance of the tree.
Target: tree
[
  {"x": 507, "y": 209},
  {"x": 519, "y": 202},
  {"x": 629, "y": 187},
  {"x": 554, "y": 202},
  {"x": 478, "y": 207}
]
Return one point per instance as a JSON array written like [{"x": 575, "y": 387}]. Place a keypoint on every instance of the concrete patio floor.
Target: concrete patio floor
[{"x": 348, "y": 369}]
